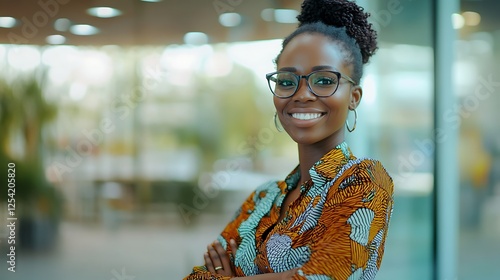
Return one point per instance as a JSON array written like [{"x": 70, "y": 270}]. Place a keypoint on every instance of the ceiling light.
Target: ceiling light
[
  {"x": 286, "y": 15},
  {"x": 62, "y": 24},
  {"x": 267, "y": 14},
  {"x": 230, "y": 19},
  {"x": 471, "y": 18},
  {"x": 55, "y": 39},
  {"x": 457, "y": 20},
  {"x": 104, "y": 12},
  {"x": 195, "y": 38},
  {"x": 152, "y": 1},
  {"x": 7, "y": 22},
  {"x": 83, "y": 29}
]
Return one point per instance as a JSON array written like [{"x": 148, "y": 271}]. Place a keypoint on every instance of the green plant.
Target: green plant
[{"x": 23, "y": 114}]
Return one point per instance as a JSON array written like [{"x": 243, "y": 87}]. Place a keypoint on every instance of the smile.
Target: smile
[{"x": 306, "y": 116}]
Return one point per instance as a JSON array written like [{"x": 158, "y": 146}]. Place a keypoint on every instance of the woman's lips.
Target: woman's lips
[
  {"x": 306, "y": 116},
  {"x": 305, "y": 119}
]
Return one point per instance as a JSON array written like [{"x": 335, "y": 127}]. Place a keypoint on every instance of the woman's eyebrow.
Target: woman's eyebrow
[
  {"x": 289, "y": 69},
  {"x": 322, "y": 67},
  {"x": 314, "y": 68}
]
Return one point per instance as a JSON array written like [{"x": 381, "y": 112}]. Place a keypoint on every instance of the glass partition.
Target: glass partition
[
  {"x": 477, "y": 81},
  {"x": 396, "y": 124}
]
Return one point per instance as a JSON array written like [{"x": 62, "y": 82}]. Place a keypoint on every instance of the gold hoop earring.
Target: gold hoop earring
[
  {"x": 355, "y": 121},
  {"x": 279, "y": 128}
]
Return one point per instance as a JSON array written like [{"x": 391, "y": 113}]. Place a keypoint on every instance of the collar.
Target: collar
[{"x": 325, "y": 169}]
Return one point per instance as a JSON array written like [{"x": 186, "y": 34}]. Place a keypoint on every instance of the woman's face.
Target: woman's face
[{"x": 304, "y": 54}]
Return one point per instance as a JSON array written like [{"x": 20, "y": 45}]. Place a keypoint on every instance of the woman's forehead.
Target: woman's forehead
[{"x": 309, "y": 50}]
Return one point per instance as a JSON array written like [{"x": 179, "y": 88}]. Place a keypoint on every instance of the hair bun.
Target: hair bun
[{"x": 342, "y": 13}]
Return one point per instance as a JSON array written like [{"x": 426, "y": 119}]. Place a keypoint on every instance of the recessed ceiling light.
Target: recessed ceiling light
[
  {"x": 471, "y": 18},
  {"x": 62, "y": 24},
  {"x": 457, "y": 20},
  {"x": 152, "y": 1},
  {"x": 195, "y": 38},
  {"x": 230, "y": 19},
  {"x": 267, "y": 14},
  {"x": 104, "y": 12},
  {"x": 7, "y": 22},
  {"x": 286, "y": 15},
  {"x": 83, "y": 29},
  {"x": 55, "y": 39}
]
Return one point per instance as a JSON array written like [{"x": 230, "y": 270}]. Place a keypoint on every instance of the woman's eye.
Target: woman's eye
[
  {"x": 324, "y": 81},
  {"x": 286, "y": 83}
]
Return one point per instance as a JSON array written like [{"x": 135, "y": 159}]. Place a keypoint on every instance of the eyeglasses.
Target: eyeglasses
[{"x": 284, "y": 84}]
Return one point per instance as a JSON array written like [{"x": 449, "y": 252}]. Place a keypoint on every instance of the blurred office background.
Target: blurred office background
[{"x": 137, "y": 132}]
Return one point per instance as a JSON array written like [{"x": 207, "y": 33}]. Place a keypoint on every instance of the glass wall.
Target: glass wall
[
  {"x": 477, "y": 80},
  {"x": 396, "y": 124}
]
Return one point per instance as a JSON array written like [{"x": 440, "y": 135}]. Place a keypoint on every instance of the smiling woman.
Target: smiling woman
[{"x": 329, "y": 218}]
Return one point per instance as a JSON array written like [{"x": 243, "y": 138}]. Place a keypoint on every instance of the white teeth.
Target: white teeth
[{"x": 306, "y": 116}]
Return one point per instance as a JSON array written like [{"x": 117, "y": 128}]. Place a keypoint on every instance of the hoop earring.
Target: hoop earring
[
  {"x": 355, "y": 121},
  {"x": 279, "y": 128}
]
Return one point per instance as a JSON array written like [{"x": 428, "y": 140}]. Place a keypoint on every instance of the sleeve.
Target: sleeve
[
  {"x": 352, "y": 227},
  {"x": 229, "y": 232}
]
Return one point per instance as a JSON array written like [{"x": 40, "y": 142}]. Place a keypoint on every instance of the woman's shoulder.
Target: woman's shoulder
[
  {"x": 372, "y": 165},
  {"x": 369, "y": 172}
]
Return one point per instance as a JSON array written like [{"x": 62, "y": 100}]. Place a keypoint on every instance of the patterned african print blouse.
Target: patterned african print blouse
[{"x": 336, "y": 229}]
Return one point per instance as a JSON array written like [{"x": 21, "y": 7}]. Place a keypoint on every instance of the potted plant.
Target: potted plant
[{"x": 23, "y": 114}]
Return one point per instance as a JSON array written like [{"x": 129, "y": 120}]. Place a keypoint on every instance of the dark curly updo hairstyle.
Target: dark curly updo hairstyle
[{"x": 343, "y": 22}]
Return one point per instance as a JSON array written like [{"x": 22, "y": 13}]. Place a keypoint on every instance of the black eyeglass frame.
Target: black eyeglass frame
[{"x": 306, "y": 77}]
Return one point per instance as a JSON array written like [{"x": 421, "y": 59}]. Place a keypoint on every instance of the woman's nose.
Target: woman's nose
[{"x": 303, "y": 92}]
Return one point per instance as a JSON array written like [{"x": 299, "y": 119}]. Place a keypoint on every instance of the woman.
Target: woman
[{"x": 328, "y": 219}]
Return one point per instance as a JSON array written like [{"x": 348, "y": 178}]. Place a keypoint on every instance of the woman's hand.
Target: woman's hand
[
  {"x": 217, "y": 260},
  {"x": 289, "y": 274}
]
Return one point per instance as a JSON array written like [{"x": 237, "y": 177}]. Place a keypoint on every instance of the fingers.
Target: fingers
[
  {"x": 217, "y": 259},
  {"x": 289, "y": 274},
  {"x": 222, "y": 253},
  {"x": 208, "y": 263},
  {"x": 234, "y": 247},
  {"x": 223, "y": 259},
  {"x": 214, "y": 258}
]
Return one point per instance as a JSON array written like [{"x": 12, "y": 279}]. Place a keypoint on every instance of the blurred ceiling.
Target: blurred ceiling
[
  {"x": 142, "y": 23},
  {"x": 167, "y": 21}
]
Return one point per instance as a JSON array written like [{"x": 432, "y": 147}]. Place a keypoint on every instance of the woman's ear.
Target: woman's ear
[{"x": 356, "y": 94}]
